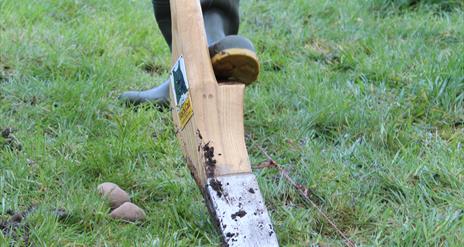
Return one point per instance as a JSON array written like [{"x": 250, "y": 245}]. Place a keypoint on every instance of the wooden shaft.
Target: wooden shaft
[{"x": 213, "y": 139}]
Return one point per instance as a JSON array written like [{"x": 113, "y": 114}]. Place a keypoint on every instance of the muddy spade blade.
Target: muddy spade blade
[{"x": 237, "y": 205}]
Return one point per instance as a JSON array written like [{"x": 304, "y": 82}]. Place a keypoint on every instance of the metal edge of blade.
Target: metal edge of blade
[{"x": 238, "y": 208}]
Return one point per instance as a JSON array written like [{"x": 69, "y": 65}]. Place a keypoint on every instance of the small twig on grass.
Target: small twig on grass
[{"x": 303, "y": 191}]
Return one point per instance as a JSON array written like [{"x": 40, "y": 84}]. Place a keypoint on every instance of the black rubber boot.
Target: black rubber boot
[
  {"x": 233, "y": 57},
  {"x": 158, "y": 95}
]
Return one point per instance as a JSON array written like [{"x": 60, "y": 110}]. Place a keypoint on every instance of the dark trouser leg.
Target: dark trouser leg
[
  {"x": 221, "y": 18},
  {"x": 162, "y": 12}
]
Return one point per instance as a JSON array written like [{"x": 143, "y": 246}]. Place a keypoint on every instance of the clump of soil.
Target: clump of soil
[
  {"x": 208, "y": 152},
  {"x": 10, "y": 141},
  {"x": 16, "y": 227},
  {"x": 217, "y": 186},
  {"x": 240, "y": 214},
  {"x": 6, "y": 72}
]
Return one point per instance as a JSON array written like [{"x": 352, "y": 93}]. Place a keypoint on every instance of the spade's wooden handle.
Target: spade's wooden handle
[{"x": 213, "y": 139}]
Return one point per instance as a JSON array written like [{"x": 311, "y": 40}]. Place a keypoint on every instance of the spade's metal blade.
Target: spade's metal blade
[{"x": 240, "y": 212}]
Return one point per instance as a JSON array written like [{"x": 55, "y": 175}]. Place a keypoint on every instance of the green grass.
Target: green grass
[{"x": 362, "y": 101}]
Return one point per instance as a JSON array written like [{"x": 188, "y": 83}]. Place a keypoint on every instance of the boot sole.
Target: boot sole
[{"x": 236, "y": 64}]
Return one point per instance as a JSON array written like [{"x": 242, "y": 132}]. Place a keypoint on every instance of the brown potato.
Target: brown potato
[
  {"x": 129, "y": 212},
  {"x": 114, "y": 194}
]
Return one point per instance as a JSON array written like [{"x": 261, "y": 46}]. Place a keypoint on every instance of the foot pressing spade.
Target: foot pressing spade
[{"x": 233, "y": 57}]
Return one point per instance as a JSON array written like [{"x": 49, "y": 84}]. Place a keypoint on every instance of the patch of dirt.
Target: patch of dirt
[
  {"x": 153, "y": 69},
  {"x": 16, "y": 227},
  {"x": 6, "y": 72},
  {"x": 61, "y": 213},
  {"x": 272, "y": 66},
  {"x": 321, "y": 52},
  {"x": 10, "y": 141},
  {"x": 386, "y": 8}
]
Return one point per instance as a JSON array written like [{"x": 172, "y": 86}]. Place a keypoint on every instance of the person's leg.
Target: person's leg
[
  {"x": 221, "y": 18},
  {"x": 233, "y": 57},
  {"x": 159, "y": 94},
  {"x": 162, "y": 11}
]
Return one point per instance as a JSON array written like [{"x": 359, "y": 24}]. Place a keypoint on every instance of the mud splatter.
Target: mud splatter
[
  {"x": 208, "y": 153},
  {"x": 240, "y": 214},
  {"x": 216, "y": 185},
  {"x": 201, "y": 139},
  {"x": 231, "y": 236},
  {"x": 199, "y": 134}
]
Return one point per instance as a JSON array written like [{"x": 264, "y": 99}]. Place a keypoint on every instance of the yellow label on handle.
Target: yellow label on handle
[{"x": 180, "y": 90}]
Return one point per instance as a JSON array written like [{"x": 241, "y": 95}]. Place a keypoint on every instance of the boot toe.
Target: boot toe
[
  {"x": 236, "y": 64},
  {"x": 234, "y": 58}
]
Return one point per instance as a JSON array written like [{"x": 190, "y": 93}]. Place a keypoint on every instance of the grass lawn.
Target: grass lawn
[{"x": 362, "y": 101}]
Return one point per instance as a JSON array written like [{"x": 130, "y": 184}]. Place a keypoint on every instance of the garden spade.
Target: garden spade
[{"x": 208, "y": 117}]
